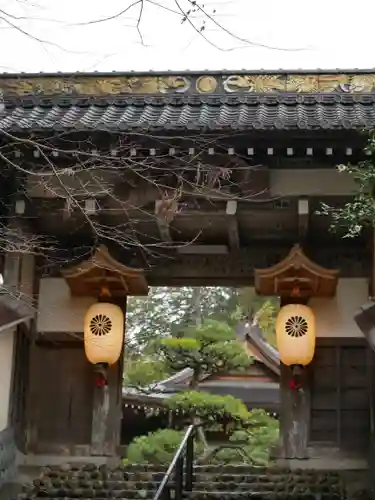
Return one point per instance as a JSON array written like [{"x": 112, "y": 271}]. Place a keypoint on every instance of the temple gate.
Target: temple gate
[{"x": 129, "y": 181}]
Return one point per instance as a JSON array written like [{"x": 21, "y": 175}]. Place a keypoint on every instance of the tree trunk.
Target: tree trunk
[
  {"x": 200, "y": 433},
  {"x": 197, "y": 310}
]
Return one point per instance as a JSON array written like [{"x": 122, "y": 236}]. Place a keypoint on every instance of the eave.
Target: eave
[
  {"x": 189, "y": 101},
  {"x": 264, "y": 351},
  {"x": 13, "y": 313}
]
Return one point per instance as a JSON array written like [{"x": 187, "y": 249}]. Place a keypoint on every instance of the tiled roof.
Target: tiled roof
[
  {"x": 189, "y": 101},
  {"x": 259, "y": 112}
]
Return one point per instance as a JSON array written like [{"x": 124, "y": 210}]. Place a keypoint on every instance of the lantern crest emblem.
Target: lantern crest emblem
[{"x": 100, "y": 325}]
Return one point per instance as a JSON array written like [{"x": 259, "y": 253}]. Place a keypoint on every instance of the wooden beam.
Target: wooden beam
[
  {"x": 233, "y": 235},
  {"x": 203, "y": 250},
  {"x": 200, "y": 265},
  {"x": 303, "y": 217}
]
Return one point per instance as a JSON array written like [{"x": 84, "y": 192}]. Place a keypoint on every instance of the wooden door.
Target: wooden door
[
  {"x": 341, "y": 394},
  {"x": 61, "y": 395}
]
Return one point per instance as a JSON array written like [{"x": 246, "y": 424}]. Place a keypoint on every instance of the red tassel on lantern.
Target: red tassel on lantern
[
  {"x": 100, "y": 381},
  {"x": 294, "y": 385}
]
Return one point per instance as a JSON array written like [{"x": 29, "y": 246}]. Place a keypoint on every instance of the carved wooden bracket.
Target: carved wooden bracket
[
  {"x": 296, "y": 273},
  {"x": 88, "y": 278}
]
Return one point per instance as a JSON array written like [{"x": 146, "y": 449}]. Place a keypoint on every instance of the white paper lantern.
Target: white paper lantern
[
  {"x": 295, "y": 334},
  {"x": 104, "y": 333}
]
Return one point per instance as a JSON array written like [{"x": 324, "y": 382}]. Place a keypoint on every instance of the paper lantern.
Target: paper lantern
[
  {"x": 103, "y": 333},
  {"x": 295, "y": 334}
]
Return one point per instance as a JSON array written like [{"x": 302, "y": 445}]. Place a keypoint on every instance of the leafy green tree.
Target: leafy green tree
[
  {"x": 206, "y": 349},
  {"x": 143, "y": 374},
  {"x": 168, "y": 311},
  {"x": 208, "y": 408},
  {"x": 250, "y": 444},
  {"x": 359, "y": 212},
  {"x": 256, "y": 440}
]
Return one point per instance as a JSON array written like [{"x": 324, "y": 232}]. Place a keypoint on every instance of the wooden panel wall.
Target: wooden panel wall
[
  {"x": 340, "y": 393},
  {"x": 20, "y": 387},
  {"x": 60, "y": 396}
]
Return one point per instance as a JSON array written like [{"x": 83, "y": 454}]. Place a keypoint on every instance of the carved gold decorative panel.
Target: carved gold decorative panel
[{"x": 96, "y": 85}]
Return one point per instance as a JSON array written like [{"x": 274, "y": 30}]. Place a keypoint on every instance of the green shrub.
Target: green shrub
[
  {"x": 209, "y": 407},
  {"x": 260, "y": 436},
  {"x": 157, "y": 447},
  {"x": 249, "y": 445}
]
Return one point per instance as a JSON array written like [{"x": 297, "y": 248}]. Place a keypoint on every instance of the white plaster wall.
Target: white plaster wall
[
  {"x": 58, "y": 311},
  {"x": 314, "y": 182},
  {"x": 334, "y": 317},
  {"x": 6, "y": 369}
]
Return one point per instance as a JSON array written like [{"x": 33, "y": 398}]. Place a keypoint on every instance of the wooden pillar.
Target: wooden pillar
[
  {"x": 107, "y": 409},
  {"x": 294, "y": 415}
]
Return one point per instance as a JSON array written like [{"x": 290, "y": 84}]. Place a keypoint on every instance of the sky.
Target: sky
[{"x": 60, "y": 35}]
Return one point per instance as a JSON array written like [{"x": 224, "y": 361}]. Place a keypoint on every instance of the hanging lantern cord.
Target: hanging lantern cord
[
  {"x": 296, "y": 291},
  {"x": 104, "y": 292},
  {"x": 104, "y": 289}
]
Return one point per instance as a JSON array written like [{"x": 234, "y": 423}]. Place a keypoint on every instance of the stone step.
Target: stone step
[
  {"x": 129, "y": 474},
  {"x": 92, "y": 493},
  {"x": 74, "y": 482},
  {"x": 279, "y": 478},
  {"x": 197, "y": 478},
  {"x": 145, "y": 490},
  {"x": 255, "y": 483},
  {"x": 106, "y": 497},
  {"x": 67, "y": 469},
  {"x": 194, "y": 495},
  {"x": 259, "y": 487},
  {"x": 271, "y": 495}
]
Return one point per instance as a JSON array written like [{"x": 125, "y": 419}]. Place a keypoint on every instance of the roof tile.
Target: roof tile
[{"x": 246, "y": 112}]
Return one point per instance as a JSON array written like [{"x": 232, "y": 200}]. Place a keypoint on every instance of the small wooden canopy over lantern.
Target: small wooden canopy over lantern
[
  {"x": 295, "y": 279},
  {"x": 296, "y": 275},
  {"x": 88, "y": 278},
  {"x": 104, "y": 322}
]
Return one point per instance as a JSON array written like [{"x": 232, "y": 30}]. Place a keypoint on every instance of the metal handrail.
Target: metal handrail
[{"x": 185, "y": 453}]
